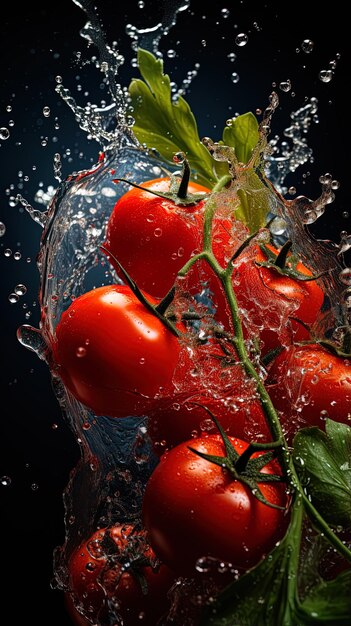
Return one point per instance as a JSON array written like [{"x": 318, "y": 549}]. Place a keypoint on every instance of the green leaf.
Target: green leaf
[
  {"x": 323, "y": 464},
  {"x": 254, "y": 202},
  {"x": 268, "y": 594},
  {"x": 243, "y": 135},
  {"x": 168, "y": 126},
  {"x": 265, "y": 596},
  {"x": 331, "y": 601}
]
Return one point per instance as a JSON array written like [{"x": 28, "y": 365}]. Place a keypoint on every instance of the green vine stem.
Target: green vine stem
[{"x": 225, "y": 276}]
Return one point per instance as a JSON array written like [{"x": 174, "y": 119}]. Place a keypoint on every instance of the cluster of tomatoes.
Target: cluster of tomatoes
[{"x": 115, "y": 353}]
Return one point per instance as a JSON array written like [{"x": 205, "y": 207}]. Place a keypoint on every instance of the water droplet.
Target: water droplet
[
  {"x": 171, "y": 54},
  {"x": 325, "y": 76},
  {"x": 141, "y": 4},
  {"x": 20, "y": 290},
  {"x": 34, "y": 487},
  {"x": 225, "y": 13},
  {"x": 17, "y": 256},
  {"x": 81, "y": 352},
  {"x": 46, "y": 111},
  {"x": 285, "y": 85},
  {"x": 13, "y": 298},
  {"x": 2, "y": 229},
  {"x": 231, "y": 56},
  {"x": 345, "y": 276},
  {"x": 346, "y": 214},
  {"x": 7, "y": 252},
  {"x": 5, "y": 481},
  {"x": 9, "y": 108},
  {"x": 142, "y": 360},
  {"x": 235, "y": 77},
  {"x": 292, "y": 191},
  {"x": 278, "y": 226},
  {"x": 307, "y": 46},
  {"x": 241, "y": 39},
  {"x": 4, "y": 133},
  {"x": 158, "y": 232},
  {"x": 204, "y": 43}
]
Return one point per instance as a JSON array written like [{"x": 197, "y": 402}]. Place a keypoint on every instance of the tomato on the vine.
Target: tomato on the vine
[
  {"x": 152, "y": 237},
  {"x": 115, "y": 569},
  {"x": 194, "y": 508},
  {"x": 113, "y": 354},
  {"x": 308, "y": 383},
  {"x": 269, "y": 300}
]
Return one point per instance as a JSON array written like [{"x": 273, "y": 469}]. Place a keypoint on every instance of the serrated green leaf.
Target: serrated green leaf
[
  {"x": 168, "y": 126},
  {"x": 323, "y": 463},
  {"x": 243, "y": 135}
]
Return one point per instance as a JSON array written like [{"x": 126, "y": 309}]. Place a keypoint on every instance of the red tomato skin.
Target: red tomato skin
[
  {"x": 153, "y": 237},
  {"x": 93, "y": 581},
  {"x": 307, "y": 384},
  {"x": 269, "y": 299},
  {"x": 185, "y": 416},
  {"x": 194, "y": 509},
  {"x": 113, "y": 354}
]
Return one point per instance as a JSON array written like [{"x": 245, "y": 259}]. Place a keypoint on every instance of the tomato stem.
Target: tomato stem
[{"x": 183, "y": 187}]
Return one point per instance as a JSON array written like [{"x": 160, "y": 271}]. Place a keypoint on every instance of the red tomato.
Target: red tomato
[
  {"x": 307, "y": 384},
  {"x": 152, "y": 237},
  {"x": 113, "y": 354},
  {"x": 268, "y": 299},
  {"x": 101, "y": 582},
  {"x": 193, "y": 508}
]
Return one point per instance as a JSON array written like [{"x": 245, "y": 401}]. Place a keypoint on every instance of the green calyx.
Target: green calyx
[
  {"x": 284, "y": 264},
  {"x": 243, "y": 467},
  {"x": 179, "y": 195}
]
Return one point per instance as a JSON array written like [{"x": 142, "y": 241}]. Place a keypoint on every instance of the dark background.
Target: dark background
[{"x": 37, "y": 43}]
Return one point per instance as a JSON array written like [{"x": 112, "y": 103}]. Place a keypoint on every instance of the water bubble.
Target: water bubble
[
  {"x": 346, "y": 214},
  {"x": 204, "y": 43},
  {"x": 225, "y": 13},
  {"x": 58, "y": 79},
  {"x": 34, "y": 487},
  {"x": 171, "y": 54},
  {"x": 141, "y": 4},
  {"x": 5, "y": 481},
  {"x": 81, "y": 352},
  {"x": 285, "y": 85},
  {"x": 292, "y": 191},
  {"x": 345, "y": 276},
  {"x": 158, "y": 232},
  {"x": 307, "y": 46},
  {"x": 241, "y": 39},
  {"x": 17, "y": 256},
  {"x": 13, "y": 298},
  {"x": 278, "y": 226},
  {"x": 231, "y": 56},
  {"x": 4, "y": 133},
  {"x": 235, "y": 77},
  {"x": 7, "y": 252},
  {"x": 325, "y": 76},
  {"x": 20, "y": 290},
  {"x": 2, "y": 229},
  {"x": 11, "y": 123},
  {"x": 46, "y": 111},
  {"x": 9, "y": 108}
]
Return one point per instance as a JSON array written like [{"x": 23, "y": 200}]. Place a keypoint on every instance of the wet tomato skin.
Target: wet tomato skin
[
  {"x": 308, "y": 383},
  {"x": 94, "y": 581},
  {"x": 152, "y": 237},
  {"x": 113, "y": 354},
  {"x": 270, "y": 300},
  {"x": 195, "y": 509}
]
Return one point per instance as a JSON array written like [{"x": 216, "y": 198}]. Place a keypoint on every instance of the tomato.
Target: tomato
[
  {"x": 193, "y": 508},
  {"x": 184, "y": 416},
  {"x": 152, "y": 237},
  {"x": 102, "y": 582},
  {"x": 113, "y": 354},
  {"x": 308, "y": 383},
  {"x": 268, "y": 300}
]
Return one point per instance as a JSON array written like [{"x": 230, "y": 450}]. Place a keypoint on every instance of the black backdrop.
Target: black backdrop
[{"x": 37, "y": 43}]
